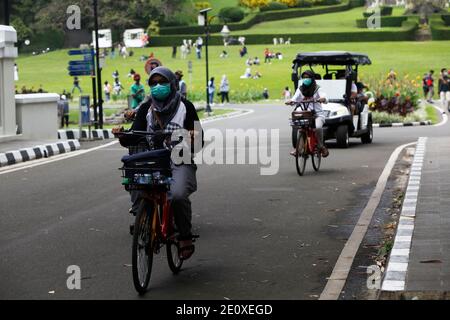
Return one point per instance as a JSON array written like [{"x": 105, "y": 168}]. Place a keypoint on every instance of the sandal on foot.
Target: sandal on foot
[{"x": 186, "y": 252}]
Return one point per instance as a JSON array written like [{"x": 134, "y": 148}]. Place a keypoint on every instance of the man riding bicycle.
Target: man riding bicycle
[
  {"x": 309, "y": 90},
  {"x": 166, "y": 110}
]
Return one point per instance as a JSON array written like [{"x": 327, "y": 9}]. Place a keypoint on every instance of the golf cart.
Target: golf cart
[{"x": 339, "y": 72}]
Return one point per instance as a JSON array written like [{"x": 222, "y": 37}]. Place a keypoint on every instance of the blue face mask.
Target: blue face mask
[
  {"x": 307, "y": 82},
  {"x": 161, "y": 91}
]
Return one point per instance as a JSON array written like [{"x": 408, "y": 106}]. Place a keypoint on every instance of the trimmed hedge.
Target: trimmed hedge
[
  {"x": 406, "y": 34},
  {"x": 384, "y": 11},
  {"x": 255, "y": 18},
  {"x": 439, "y": 31},
  {"x": 384, "y": 21},
  {"x": 272, "y": 6},
  {"x": 446, "y": 19}
]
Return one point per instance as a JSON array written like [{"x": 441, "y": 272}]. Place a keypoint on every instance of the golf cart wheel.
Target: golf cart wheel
[
  {"x": 368, "y": 137},
  {"x": 342, "y": 137}
]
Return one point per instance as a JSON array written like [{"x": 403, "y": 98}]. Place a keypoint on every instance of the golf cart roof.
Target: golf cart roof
[{"x": 332, "y": 58}]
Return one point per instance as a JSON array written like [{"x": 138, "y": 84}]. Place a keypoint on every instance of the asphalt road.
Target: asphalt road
[{"x": 262, "y": 237}]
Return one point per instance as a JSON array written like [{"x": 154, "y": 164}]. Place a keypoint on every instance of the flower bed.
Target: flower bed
[{"x": 395, "y": 95}]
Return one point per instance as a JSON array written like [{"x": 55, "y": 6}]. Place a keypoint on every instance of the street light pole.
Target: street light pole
[
  {"x": 99, "y": 71},
  {"x": 7, "y": 12},
  {"x": 204, "y": 12}
]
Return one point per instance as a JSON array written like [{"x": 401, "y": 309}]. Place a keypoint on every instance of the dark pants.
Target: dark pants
[
  {"x": 65, "y": 119},
  {"x": 225, "y": 96}
]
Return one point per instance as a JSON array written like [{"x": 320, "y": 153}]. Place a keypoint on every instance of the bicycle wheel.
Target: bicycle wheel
[
  {"x": 316, "y": 159},
  {"x": 175, "y": 263},
  {"x": 144, "y": 241},
  {"x": 301, "y": 154}
]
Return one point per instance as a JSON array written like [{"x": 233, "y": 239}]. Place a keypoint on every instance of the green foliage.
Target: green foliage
[
  {"x": 389, "y": 118},
  {"x": 231, "y": 14},
  {"x": 439, "y": 31},
  {"x": 274, "y": 6},
  {"x": 47, "y": 38},
  {"x": 200, "y": 5},
  {"x": 446, "y": 19},
  {"x": 304, "y": 4},
  {"x": 406, "y": 33},
  {"x": 384, "y": 11},
  {"x": 23, "y": 32},
  {"x": 385, "y": 22},
  {"x": 153, "y": 28},
  {"x": 255, "y": 18}
]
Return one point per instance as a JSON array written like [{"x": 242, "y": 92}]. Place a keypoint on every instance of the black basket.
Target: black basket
[{"x": 146, "y": 170}]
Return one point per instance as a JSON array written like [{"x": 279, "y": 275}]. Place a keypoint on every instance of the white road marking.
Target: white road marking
[
  {"x": 343, "y": 265},
  {"x": 64, "y": 156},
  {"x": 444, "y": 117}
]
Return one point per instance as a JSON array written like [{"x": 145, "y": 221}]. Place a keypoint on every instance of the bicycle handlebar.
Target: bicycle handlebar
[{"x": 143, "y": 133}]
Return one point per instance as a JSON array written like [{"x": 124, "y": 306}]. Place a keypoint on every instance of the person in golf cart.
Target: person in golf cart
[{"x": 309, "y": 90}]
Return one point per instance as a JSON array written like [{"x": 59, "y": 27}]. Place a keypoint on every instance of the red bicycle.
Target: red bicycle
[
  {"x": 303, "y": 124},
  {"x": 154, "y": 226}
]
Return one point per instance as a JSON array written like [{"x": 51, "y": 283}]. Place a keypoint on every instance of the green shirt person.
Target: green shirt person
[{"x": 137, "y": 92}]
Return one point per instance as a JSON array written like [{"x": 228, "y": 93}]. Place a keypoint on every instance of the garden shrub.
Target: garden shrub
[
  {"x": 231, "y": 14},
  {"x": 384, "y": 11},
  {"x": 274, "y": 6}
]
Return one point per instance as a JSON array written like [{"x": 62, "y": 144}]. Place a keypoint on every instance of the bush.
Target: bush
[
  {"x": 406, "y": 33},
  {"x": 384, "y": 21},
  {"x": 325, "y": 2},
  {"x": 446, "y": 18},
  {"x": 384, "y": 11},
  {"x": 231, "y": 14},
  {"x": 272, "y": 6},
  {"x": 254, "y": 18},
  {"x": 304, "y": 4},
  {"x": 439, "y": 31},
  {"x": 53, "y": 39}
]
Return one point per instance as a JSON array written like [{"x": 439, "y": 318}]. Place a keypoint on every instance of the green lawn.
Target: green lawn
[
  {"x": 432, "y": 114},
  {"x": 344, "y": 21},
  {"x": 413, "y": 58}
]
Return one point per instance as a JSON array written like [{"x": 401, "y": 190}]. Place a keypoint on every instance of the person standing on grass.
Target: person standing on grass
[
  {"x": 16, "y": 72},
  {"x": 137, "y": 91},
  {"x": 181, "y": 83},
  {"x": 76, "y": 85},
  {"x": 117, "y": 87},
  {"x": 107, "y": 90},
  {"x": 430, "y": 85},
  {"x": 287, "y": 94},
  {"x": 211, "y": 90},
  {"x": 444, "y": 89},
  {"x": 224, "y": 89}
]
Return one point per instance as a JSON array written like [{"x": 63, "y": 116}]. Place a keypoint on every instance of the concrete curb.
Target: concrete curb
[
  {"x": 95, "y": 133},
  {"x": 38, "y": 152},
  {"x": 401, "y": 124},
  {"x": 397, "y": 268}
]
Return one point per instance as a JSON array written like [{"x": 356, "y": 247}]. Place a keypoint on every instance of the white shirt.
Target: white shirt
[{"x": 317, "y": 107}]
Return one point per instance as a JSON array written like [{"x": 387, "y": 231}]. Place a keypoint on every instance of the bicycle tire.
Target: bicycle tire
[
  {"x": 173, "y": 259},
  {"x": 144, "y": 241},
  {"x": 316, "y": 159},
  {"x": 301, "y": 153}
]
